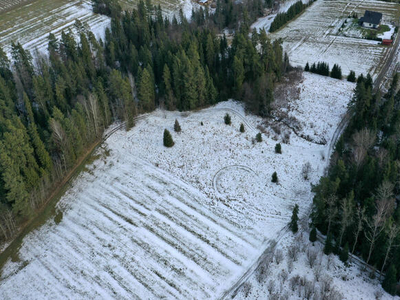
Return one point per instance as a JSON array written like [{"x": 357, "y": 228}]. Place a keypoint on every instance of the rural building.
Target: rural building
[
  {"x": 371, "y": 19},
  {"x": 387, "y": 42}
]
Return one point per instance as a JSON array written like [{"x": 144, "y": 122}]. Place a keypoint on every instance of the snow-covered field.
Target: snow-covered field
[
  {"x": 314, "y": 36},
  {"x": 185, "y": 222},
  {"x": 30, "y": 23}
]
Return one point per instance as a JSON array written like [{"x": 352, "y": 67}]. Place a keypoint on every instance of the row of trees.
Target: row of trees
[
  {"x": 322, "y": 68},
  {"x": 356, "y": 203},
  {"x": 54, "y": 108},
  {"x": 282, "y": 18}
]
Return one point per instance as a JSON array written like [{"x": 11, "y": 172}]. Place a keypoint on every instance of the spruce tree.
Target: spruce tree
[
  {"x": 390, "y": 281},
  {"x": 241, "y": 128},
  {"x": 313, "y": 235},
  {"x": 328, "y": 249},
  {"x": 344, "y": 254},
  {"x": 168, "y": 141},
  {"x": 336, "y": 72},
  {"x": 227, "y": 119},
  {"x": 278, "y": 148},
  {"x": 351, "y": 77},
  {"x": 293, "y": 222},
  {"x": 274, "y": 177},
  {"x": 259, "y": 137},
  {"x": 307, "y": 67},
  {"x": 177, "y": 127}
]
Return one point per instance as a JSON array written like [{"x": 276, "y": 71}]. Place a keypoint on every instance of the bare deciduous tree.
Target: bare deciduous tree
[
  {"x": 332, "y": 210},
  {"x": 278, "y": 256},
  {"x": 311, "y": 256},
  {"x": 363, "y": 140},
  {"x": 392, "y": 234},
  {"x": 347, "y": 215},
  {"x": 305, "y": 171},
  {"x": 360, "y": 219},
  {"x": 384, "y": 207}
]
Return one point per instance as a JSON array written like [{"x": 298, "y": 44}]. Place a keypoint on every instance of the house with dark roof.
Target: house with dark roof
[{"x": 371, "y": 19}]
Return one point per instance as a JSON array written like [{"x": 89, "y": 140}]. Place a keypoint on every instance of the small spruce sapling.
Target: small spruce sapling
[
  {"x": 328, "y": 249},
  {"x": 241, "y": 128},
  {"x": 295, "y": 218},
  {"x": 278, "y": 148},
  {"x": 313, "y": 235},
  {"x": 227, "y": 119},
  {"x": 389, "y": 283},
  {"x": 259, "y": 137},
  {"x": 274, "y": 177},
  {"x": 177, "y": 127},
  {"x": 344, "y": 254},
  {"x": 168, "y": 141}
]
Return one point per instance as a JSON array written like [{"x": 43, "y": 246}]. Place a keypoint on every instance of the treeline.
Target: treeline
[
  {"x": 54, "y": 109},
  {"x": 322, "y": 68},
  {"x": 357, "y": 204},
  {"x": 282, "y": 18}
]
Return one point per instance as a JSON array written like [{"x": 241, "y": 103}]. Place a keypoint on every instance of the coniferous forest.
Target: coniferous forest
[
  {"x": 357, "y": 203},
  {"x": 54, "y": 108}
]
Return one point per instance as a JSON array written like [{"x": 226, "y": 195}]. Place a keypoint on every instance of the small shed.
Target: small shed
[
  {"x": 371, "y": 19},
  {"x": 387, "y": 42}
]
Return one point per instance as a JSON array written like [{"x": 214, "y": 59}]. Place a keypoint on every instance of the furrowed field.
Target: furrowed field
[{"x": 30, "y": 22}]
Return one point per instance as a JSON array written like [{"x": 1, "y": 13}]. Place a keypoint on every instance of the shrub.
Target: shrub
[
  {"x": 177, "y": 127},
  {"x": 278, "y": 148},
  {"x": 241, "y": 128},
  {"x": 259, "y": 137},
  {"x": 274, "y": 177},
  {"x": 227, "y": 119},
  {"x": 168, "y": 141}
]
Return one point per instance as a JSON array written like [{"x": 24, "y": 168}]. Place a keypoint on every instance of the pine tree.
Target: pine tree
[
  {"x": 328, "y": 249},
  {"x": 241, "y": 128},
  {"x": 274, "y": 177},
  {"x": 293, "y": 222},
  {"x": 278, "y": 148},
  {"x": 307, "y": 67},
  {"x": 313, "y": 235},
  {"x": 344, "y": 254},
  {"x": 259, "y": 137},
  {"x": 390, "y": 281},
  {"x": 177, "y": 127},
  {"x": 168, "y": 141},
  {"x": 227, "y": 119}
]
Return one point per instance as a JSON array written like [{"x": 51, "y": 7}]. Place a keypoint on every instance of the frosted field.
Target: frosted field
[
  {"x": 149, "y": 222},
  {"x": 313, "y": 36},
  {"x": 30, "y": 22}
]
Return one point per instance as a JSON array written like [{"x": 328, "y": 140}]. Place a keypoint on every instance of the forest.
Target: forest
[
  {"x": 357, "y": 204},
  {"x": 54, "y": 108}
]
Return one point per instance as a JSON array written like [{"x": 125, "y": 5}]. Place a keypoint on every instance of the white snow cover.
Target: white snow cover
[
  {"x": 314, "y": 36},
  {"x": 32, "y": 31},
  {"x": 146, "y": 222},
  {"x": 265, "y": 22}
]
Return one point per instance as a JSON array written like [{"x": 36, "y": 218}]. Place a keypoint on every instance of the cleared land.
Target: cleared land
[
  {"x": 314, "y": 36},
  {"x": 30, "y": 22},
  {"x": 179, "y": 223}
]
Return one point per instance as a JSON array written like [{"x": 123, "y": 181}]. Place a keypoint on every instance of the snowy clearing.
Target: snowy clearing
[
  {"x": 181, "y": 222},
  {"x": 315, "y": 36}
]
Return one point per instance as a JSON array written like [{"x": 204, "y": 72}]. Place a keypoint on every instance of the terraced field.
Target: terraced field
[{"x": 315, "y": 36}]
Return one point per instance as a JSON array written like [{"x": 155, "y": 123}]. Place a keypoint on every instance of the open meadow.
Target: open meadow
[{"x": 149, "y": 222}]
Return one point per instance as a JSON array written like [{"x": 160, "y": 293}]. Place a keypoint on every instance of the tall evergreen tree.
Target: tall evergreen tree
[{"x": 295, "y": 218}]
